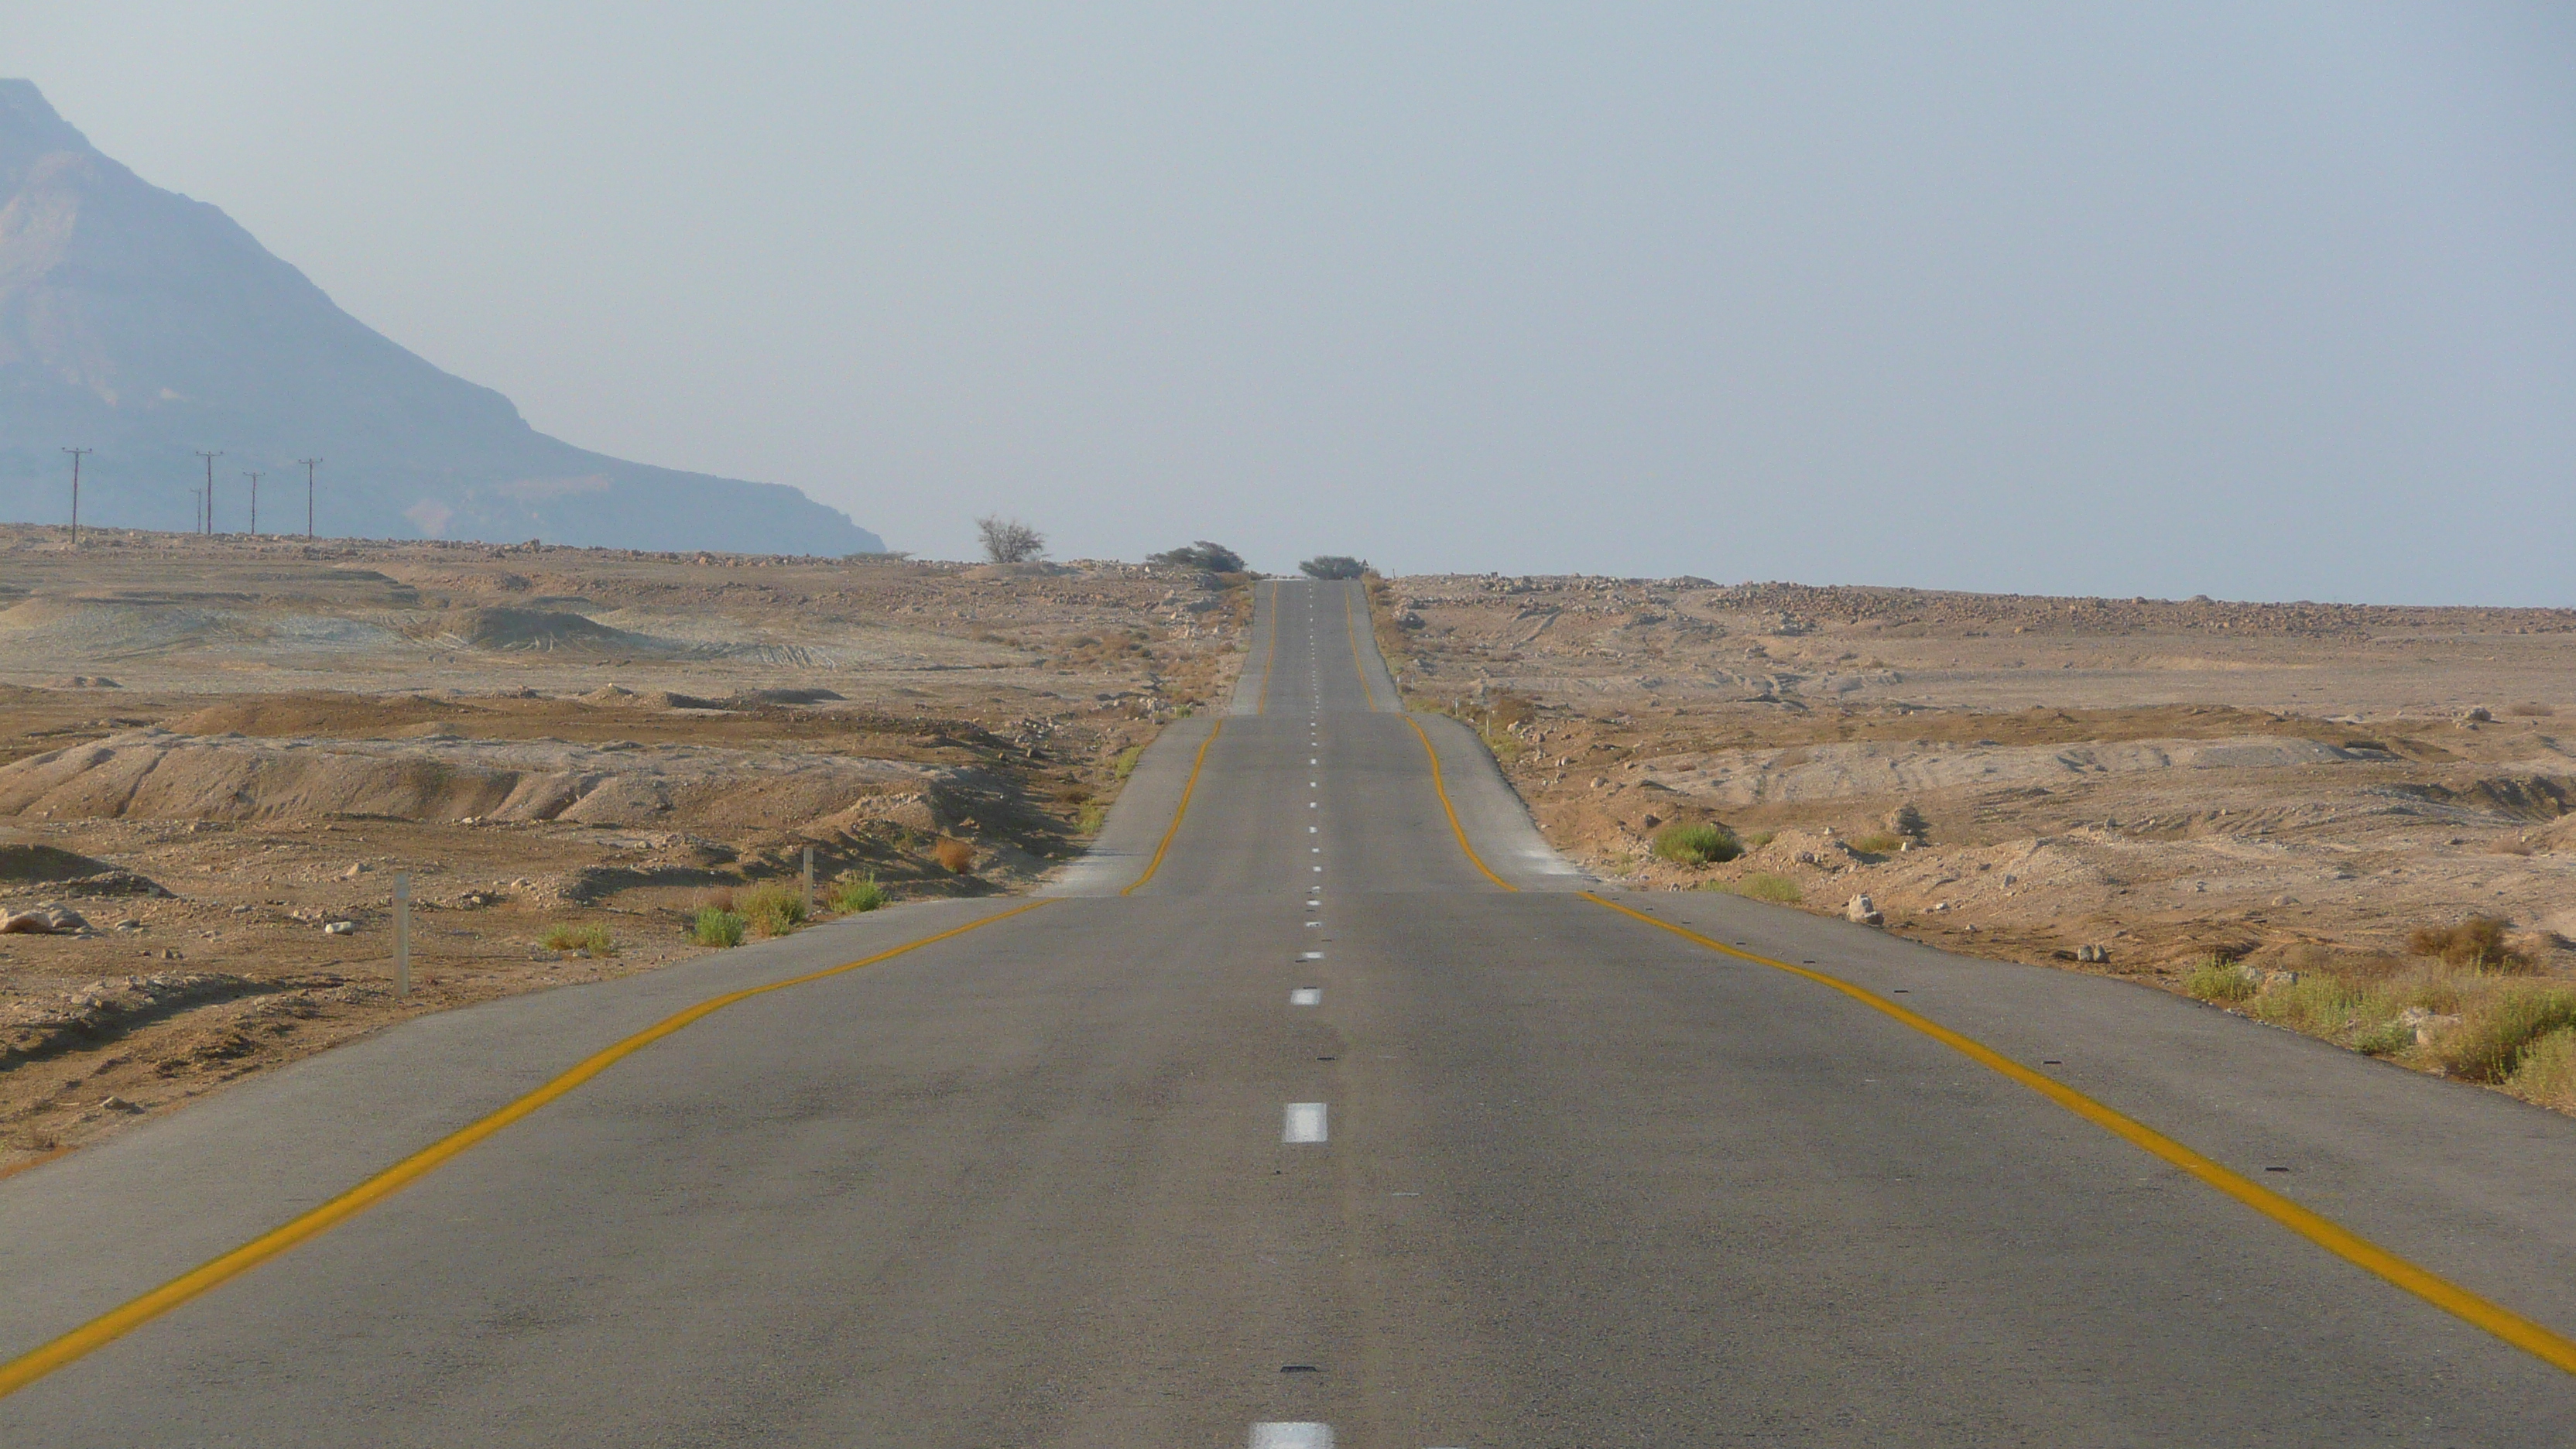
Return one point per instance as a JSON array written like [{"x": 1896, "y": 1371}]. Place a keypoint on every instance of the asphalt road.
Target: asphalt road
[{"x": 1580, "y": 1182}]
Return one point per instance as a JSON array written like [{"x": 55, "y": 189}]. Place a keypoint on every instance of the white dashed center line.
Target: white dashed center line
[
  {"x": 1305, "y": 1123},
  {"x": 1306, "y": 996},
  {"x": 1292, "y": 1436}
]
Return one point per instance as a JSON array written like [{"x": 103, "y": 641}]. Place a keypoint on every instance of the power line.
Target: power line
[
  {"x": 207, "y": 525},
  {"x": 309, "y": 465},
  {"x": 76, "y": 457}
]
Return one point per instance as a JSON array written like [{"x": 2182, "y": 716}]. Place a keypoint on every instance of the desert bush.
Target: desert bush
[
  {"x": 1760, "y": 838},
  {"x": 2476, "y": 944},
  {"x": 2496, "y": 1032},
  {"x": 2383, "y": 1038},
  {"x": 774, "y": 908},
  {"x": 1007, "y": 540},
  {"x": 1214, "y": 558},
  {"x": 2530, "y": 710},
  {"x": 2318, "y": 1005},
  {"x": 1091, "y": 817},
  {"x": 591, "y": 938},
  {"x": 716, "y": 926},
  {"x": 2216, "y": 978},
  {"x": 1878, "y": 842},
  {"x": 954, "y": 856},
  {"x": 1333, "y": 566},
  {"x": 1779, "y": 890},
  {"x": 1697, "y": 844},
  {"x": 854, "y": 893},
  {"x": 1127, "y": 759},
  {"x": 2547, "y": 1072}
]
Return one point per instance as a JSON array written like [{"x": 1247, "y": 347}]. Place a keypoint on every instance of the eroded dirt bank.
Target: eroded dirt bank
[
  {"x": 220, "y": 753},
  {"x": 2282, "y": 807}
]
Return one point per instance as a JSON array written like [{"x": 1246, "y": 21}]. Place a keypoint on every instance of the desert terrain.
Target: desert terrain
[
  {"x": 217, "y": 755},
  {"x": 2290, "y": 809}
]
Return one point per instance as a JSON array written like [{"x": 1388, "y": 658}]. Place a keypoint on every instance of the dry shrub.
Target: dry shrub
[
  {"x": 774, "y": 908},
  {"x": 1779, "y": 890},
  {"x": 2547, "y": 1072},
  {"x": 719, "y": 899},
  {"x": 591, "y": 938},
  {"x": 2216, "y": 978},
  {"x": 2476, "y": 944},
  {"x": 2530, "y": 710},
  {"x": 2494, "y": 1034},
  {"x": 954, "y": 856},
  {"x": 1878, "y": 842}
]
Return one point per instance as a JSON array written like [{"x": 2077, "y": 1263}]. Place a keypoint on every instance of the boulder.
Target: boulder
[{"x": 1864, "y": 911}]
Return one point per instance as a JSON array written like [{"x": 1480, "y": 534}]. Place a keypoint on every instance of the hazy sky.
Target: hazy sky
[{"x": 2251, "y": 300}]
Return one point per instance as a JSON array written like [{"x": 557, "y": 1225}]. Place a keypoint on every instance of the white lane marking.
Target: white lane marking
[
  {"x": 1310, "y": 955},
  {"x": 1314, "y": 805},
  {"x": 1316, "y": 924},
  {"x": 1314, "y": 830},
  {"x": 1315, "y": 850},
  {"x": 1314, "y": 762},
  {"x": 1319, "y": 870},
  {"x": 1305, "y": 1123},
  {"x": 1306, "y": 996},
  {"x": 1292, "y": 1436}
]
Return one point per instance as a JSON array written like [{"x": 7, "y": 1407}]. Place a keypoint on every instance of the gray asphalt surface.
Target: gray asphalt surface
[{"x": 1584, "y": 1183}]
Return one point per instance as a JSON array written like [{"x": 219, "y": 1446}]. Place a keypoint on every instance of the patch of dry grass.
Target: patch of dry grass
[
  {"x": 2476, "y": 944},
  {"x": 592, "y": 938},
  {"x": 774, "y": 908},
  {"x": 954, "y": 856}
]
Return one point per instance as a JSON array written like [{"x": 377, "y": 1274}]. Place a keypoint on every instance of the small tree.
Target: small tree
[
  {"x": 1333, "y": 566},
  {"x": 1007, "y": 540},
  {"x": 1213, "y": 558}
]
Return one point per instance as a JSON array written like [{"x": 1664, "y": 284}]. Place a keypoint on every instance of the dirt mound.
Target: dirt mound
[
  {"x": 26, "y": 865},
  {"x": 543, "y": 629},
  {"x": 312, "y": 714},
  {"x": 157, "y": 774}
]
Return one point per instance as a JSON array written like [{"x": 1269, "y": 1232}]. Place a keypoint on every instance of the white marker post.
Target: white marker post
[
  {"x": 402, "y": 933},
  {"x": 809, "y": 882}
]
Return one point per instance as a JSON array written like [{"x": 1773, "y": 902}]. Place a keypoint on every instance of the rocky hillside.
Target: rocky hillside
[{"x": 146, "y": 325}]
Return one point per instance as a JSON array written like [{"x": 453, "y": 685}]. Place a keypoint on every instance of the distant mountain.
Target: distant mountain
[{"x": 146, "y": 325}]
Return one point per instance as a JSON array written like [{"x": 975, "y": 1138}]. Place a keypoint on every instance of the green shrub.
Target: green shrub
[
  {"x": 593, "y": 938},
  {"x": 2547, "y": 1072},
  {"x": 774, "y": 908},
  {"x": 1127, "y": 759},
  {"x": 2318, "y": 1005},
  {"x": 2215, "y": 978},
  {"x": 1697, "y": 844},
  {"x": 2384, "y": 1039},
  {"x": 854, "y": 893},
  {"x": 2494, "y": 1034},
  {"x": 1779, "y": 890},
  {"x": 716, "y": 926},
  {"x": 1091, "y": 817}
]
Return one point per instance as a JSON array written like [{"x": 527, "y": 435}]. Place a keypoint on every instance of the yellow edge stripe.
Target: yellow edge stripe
[
  {"x": 1455, "y": 828},
  {"x": 1272, "y": 657},
  {"x": 1177, "y": 811},
  {"x": 116, "y": 1323},
  {"x": 1351, "y": 624},
  {"x": 2540, "y": 1342}
]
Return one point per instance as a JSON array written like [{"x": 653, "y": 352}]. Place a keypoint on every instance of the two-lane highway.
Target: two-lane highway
[{"x": 1322, "y": 1105}]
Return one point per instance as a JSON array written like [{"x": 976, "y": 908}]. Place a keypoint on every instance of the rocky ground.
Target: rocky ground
[
  {"x": 2134, "y": 786},
  {"x": 220, "y": 754}
]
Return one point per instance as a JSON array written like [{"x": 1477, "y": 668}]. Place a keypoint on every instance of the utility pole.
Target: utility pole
[
  {"x": 210, "y": 487},
  {"x": 254, "y": 502},
  {"x": 76, "y": 457},
  {"x": 309, "y": 465}
]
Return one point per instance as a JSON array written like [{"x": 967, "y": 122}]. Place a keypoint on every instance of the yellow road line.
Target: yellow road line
[
  {"x": 116, "y": 1323},
  {"x": 1272, "y": 657},
  {"x": 1351, "y": 623},
  {"x": 1455, "y": 828},
  {"x": 1178, "y": 811},
  {"x": 2540, "y": 1342}
]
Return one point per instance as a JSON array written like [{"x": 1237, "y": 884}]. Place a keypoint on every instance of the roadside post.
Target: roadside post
[
  {"x": 402, "y": 933},
  {"x": 809, "y": 882}
]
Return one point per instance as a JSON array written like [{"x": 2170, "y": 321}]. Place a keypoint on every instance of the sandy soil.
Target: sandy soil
[
  {"x": 214, "y": 750},
  {"x": 2149, "y": 782}
]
